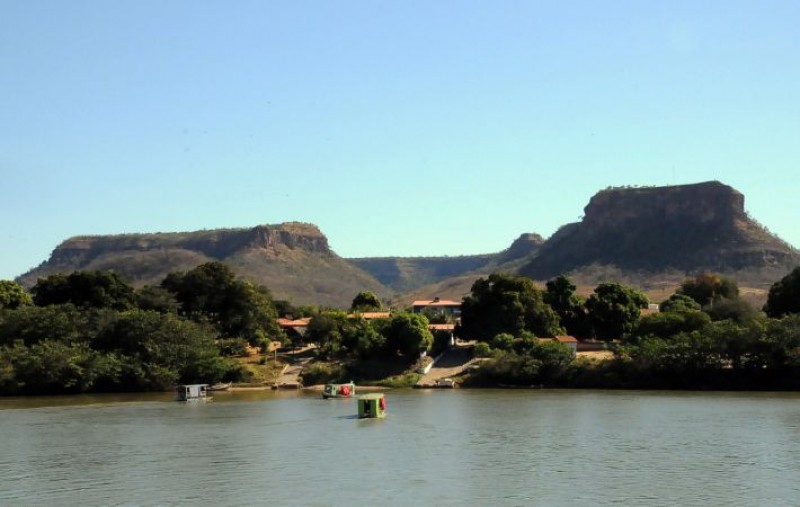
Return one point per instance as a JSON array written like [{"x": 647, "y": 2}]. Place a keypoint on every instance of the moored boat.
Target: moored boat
[
  {"x": 339, "y": 390},
  {"x": 372, "y": 406},
  {"x": 220, "y": 387},
  {"x": 192, "y": 392}
]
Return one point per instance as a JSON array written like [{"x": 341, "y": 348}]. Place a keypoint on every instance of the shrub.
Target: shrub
[
  {"x": 322, "y": 373},
  {"x": 482, "y": 349}
]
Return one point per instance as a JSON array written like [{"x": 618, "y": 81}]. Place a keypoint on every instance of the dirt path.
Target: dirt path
[
  {"x": 290, "y": 376},
  {"x": 452, "y": 363}
]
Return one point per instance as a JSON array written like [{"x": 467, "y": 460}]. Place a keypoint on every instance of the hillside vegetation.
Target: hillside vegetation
[{"x": 649, "y": 238}]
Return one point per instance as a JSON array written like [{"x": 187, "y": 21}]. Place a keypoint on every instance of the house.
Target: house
[
  {"x": 569, "y": 341},
  {"x": 370, "y": 315},
  {"x": 295, "y": 329},
  {"x": 297, "y": 325},
  {"x": 191, "y": 392},
  {"x": 452, "y": 308}
]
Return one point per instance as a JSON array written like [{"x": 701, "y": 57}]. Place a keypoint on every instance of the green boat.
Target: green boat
[
  {"x": 339, "y": 390},
  {"x": 371, "y": 406}
]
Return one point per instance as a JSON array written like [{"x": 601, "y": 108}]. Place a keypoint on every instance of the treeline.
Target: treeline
[
  {"x": 705, "y": 336},
  {"x": 352, "y": 347},
  {"x": 91, "y": 331}
]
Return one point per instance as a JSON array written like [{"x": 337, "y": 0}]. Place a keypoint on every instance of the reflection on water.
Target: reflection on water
[{"x": 461, "y": 447}]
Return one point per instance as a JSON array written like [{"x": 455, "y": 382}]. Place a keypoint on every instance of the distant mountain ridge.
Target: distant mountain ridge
[
  {"x": 633, "y": 235},
  {"x": 409, "y": 273}
]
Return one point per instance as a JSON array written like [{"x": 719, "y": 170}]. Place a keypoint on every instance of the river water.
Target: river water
[{"x": 435, "y": 448}]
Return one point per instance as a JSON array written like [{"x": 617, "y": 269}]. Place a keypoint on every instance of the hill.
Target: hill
[
  {"x": 665, "y": 233},
  {"x": 649, "y": 238},
  {"x": 406, "y": 274},
  {"x": 292, "y": 259}
]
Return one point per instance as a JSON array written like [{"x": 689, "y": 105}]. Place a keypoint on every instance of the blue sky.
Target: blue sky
[{"x": 399, "y": 128}]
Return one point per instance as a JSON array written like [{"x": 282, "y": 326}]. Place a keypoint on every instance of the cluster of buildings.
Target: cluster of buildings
[{"x": 450, "y": 309}]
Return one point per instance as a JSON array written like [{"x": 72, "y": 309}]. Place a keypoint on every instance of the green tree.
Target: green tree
[
  {"x": 543, "y": 362},
  {"x": 506, "y": 304},
  {"x": 665, "y": 325},
  {"x": 737, "y": 344},
  {"x": 614, "y": 310},
  {"x": 34, "y": 324},
  {"x": 679, "y": 303},
  {"x": 779, "y": 347},
  {"x": 157, "y": 298},
  {"x": 88, "y": 289},
  {"x": 236, "y": 308},
  {"x": 408, "y": 334},
  {"x": 560, "y": 295},
  {"x": 158, "y": 350},
  {"x": 326, "y": 329},
  {"x": 707, "y": 288},
  {"x": 52, "y": 367},
  {"x": 737, "y": 310},
  {"x": 366, "y": 301},
  {"x": 362, "y": 339},
  {"x": 13, "y": 295},
  {"x": 784, "y": 295}
]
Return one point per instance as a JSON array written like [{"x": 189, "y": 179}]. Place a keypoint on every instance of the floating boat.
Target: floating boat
[
  {"x": 371, "y": 406},
  {"x": 339, "y": 390},
  {"x": 220, "y": 387},
  {"x": 192, "y": 392}
]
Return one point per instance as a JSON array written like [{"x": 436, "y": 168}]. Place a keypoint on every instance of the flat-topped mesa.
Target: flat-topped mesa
[
  {"x": 292, "y": 259},
  {"x": 216, "y": 243},
  {"x": 653, "y": 229},
  {"x": 709, "y": 202}
]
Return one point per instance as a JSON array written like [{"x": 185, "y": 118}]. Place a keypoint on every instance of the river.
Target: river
[{"x": 436, "y": 448}]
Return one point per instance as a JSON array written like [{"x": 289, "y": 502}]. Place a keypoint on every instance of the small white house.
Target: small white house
[
  {"x": 569, "y": 341},
  {"x": 191, "y": 392}
]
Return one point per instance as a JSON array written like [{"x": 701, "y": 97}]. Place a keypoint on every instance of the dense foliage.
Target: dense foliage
[
  {"x": 339, "y": 336},
  {"x": 707, "y": 288},
  {"x": 570, "y": 307},
  {"x": 784, "y": 295},
  {"x": 13, "y": 295},
  {"x": 96, "y": 289},
  {"x": 211, "y": 293},
  {"x": 366, "y": 301},
  {"x": 94, "y": 332},
  {"x": 506, "y": 304},
  {"x": 91, "y": 331},
  {"x": 614, "y": 309},
  {"x": 522, "y": 361}
]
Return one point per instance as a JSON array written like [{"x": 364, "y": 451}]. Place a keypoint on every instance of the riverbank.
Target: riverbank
[{"x": 314, "y": 388}]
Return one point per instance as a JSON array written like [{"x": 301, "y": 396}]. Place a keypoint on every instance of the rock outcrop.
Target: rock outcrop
[
  {"x": 630, "y": 235},
  {"x": 687, "y": 228},
  {"x": 292, "y": 259}
]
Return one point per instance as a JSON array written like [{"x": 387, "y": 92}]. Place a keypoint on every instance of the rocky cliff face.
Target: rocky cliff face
[
  {"x": 292, "y": 259},
  {"x": 686, "y": 228},
  {"x": 217, "y": 244}
]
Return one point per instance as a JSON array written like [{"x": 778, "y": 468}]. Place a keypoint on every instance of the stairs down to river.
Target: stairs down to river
[{"x": 452, "y": 363}]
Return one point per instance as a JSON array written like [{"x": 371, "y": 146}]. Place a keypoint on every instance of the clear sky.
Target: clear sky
[{"x": 399, "y": 128}]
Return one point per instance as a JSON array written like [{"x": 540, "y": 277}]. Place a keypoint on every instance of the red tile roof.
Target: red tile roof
[
  {"x": 441, "y": 327},
  {"x": 434, "y": 302},
  {"x": 294, "y": 323},
  {"x": 370, "y": 315},
  {"x": 566, "y": 339}
]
